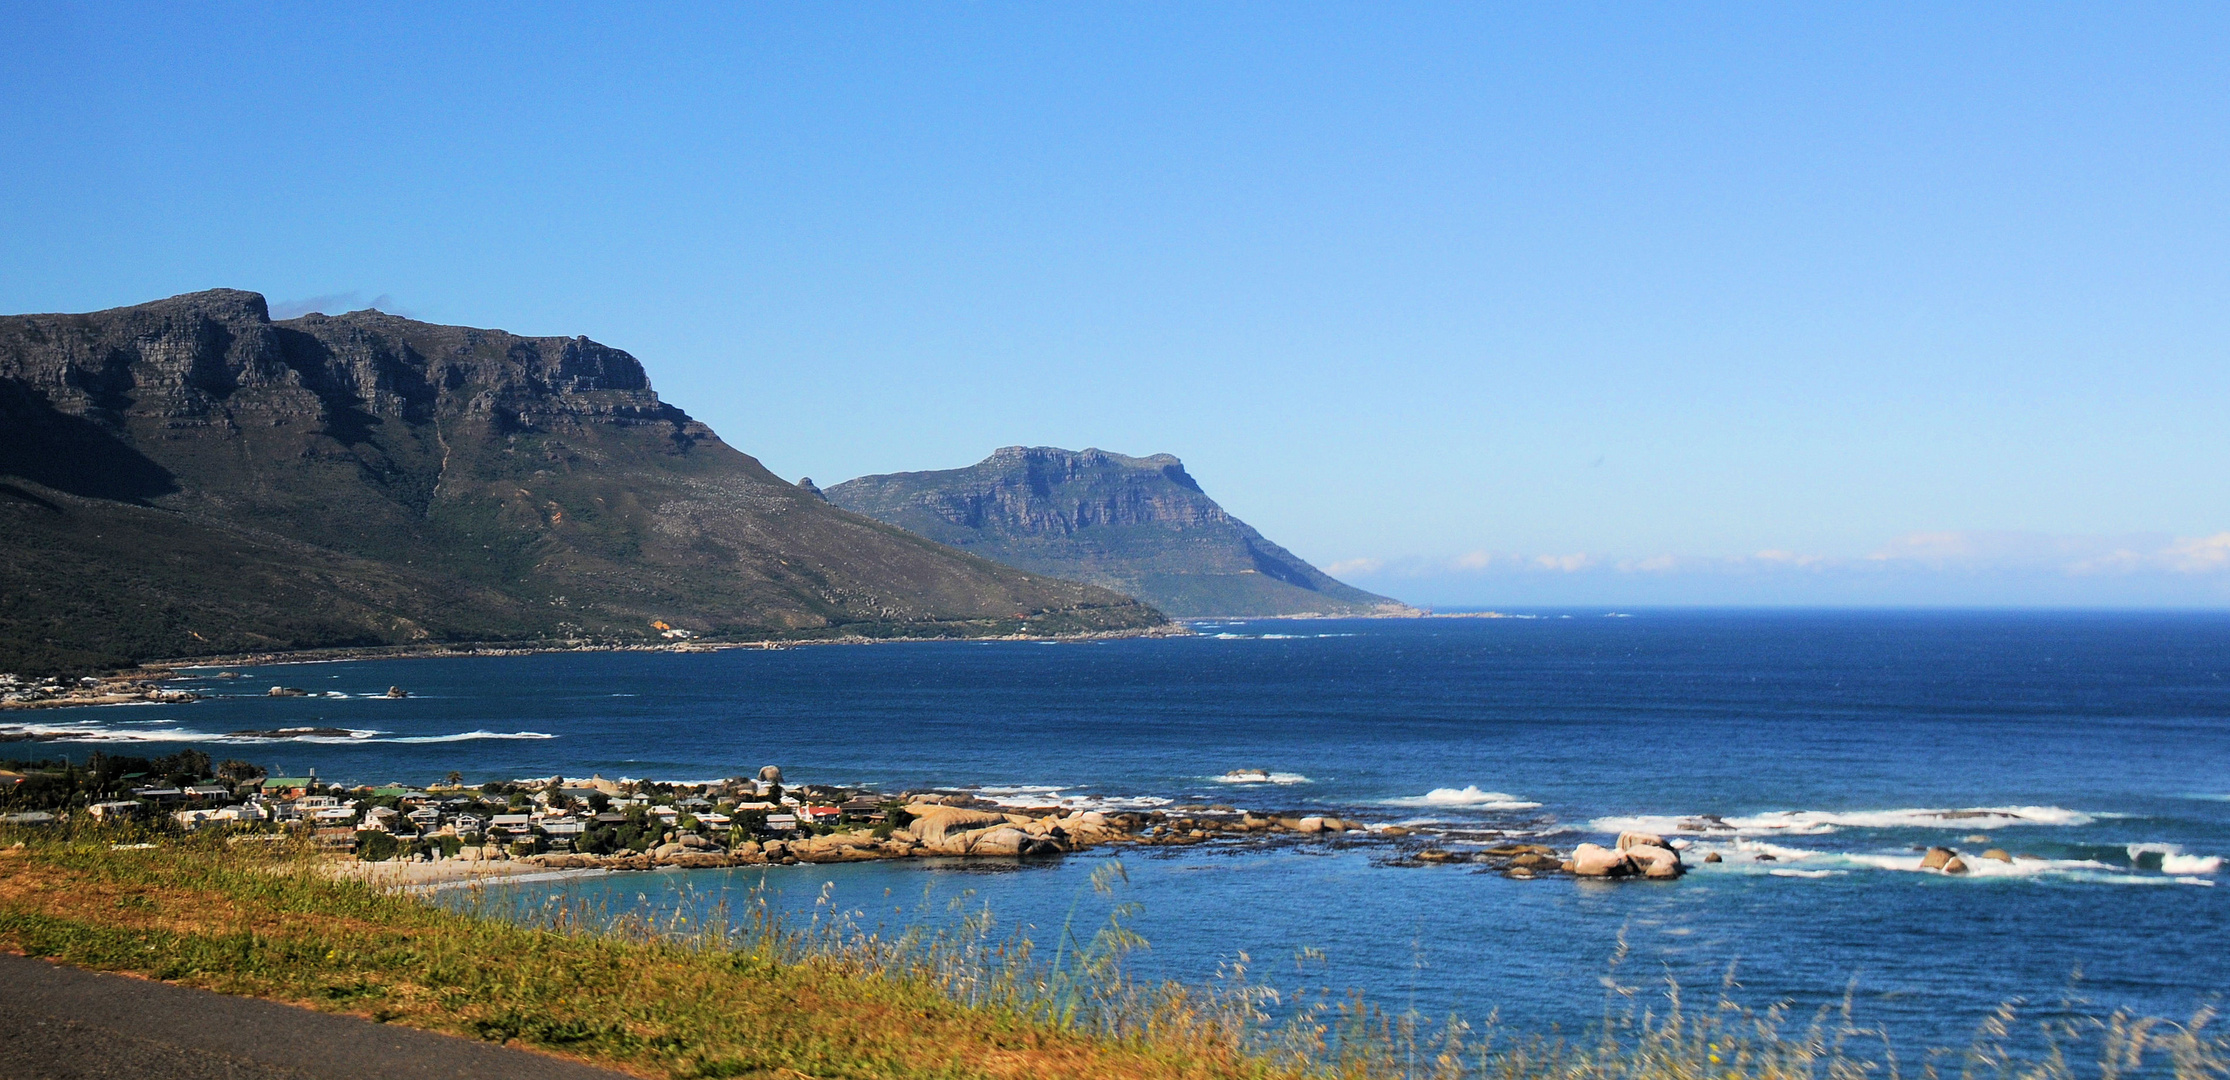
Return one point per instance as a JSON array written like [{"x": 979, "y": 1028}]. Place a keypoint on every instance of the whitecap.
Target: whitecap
[
  {"x": 1261, "y": 776},
  {"x": 1818, "y": 822},
  {"x": 1466, "y": 798},
  {"x": 1807, "y": 873},
  {"x": 2173, "y": 859},
  {"x": 1759, "y": 847},
  {"x": 2087, "y": 869},
  {"x": 1020, "y": 795},
  {"x": 469, "y": 736}
]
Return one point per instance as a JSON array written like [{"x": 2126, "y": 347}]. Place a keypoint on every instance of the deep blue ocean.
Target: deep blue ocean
[{"x": 2098, "y": 745}]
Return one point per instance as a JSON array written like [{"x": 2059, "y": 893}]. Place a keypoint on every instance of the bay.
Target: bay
[{"x": 1837, "y": 742}]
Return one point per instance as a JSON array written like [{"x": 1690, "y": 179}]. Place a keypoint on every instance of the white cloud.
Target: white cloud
[
  {"x": 2199, "y": 554},
  {"x": 1565, "y": 563},
  {"x": 2074, "y": 555},
  {"x": 1932, "y": 547},
  {"x": 1962, "y": 553}
]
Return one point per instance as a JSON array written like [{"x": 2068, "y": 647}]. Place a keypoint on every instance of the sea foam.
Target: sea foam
[
  {"x": 2174, "y": 860},
  {"x": 1021, "y": 795},
  {"x": 1238, "y": 776},
  {"x": 1465, "y": 798},
  {"x": 1819, "y": 822}
]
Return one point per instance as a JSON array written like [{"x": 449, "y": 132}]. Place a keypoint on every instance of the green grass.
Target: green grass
[{"x": 696, "y": 992}]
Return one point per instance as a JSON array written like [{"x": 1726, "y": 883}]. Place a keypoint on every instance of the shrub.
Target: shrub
[{"x": 373, "y": 845}]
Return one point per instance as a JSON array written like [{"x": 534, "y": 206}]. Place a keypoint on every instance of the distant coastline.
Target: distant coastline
[{"x": 138, "y": 685}]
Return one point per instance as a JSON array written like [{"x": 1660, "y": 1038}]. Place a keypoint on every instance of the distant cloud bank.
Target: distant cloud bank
[{"x": 1920, "y": 568}]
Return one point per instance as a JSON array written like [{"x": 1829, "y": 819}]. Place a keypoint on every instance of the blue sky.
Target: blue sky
[{"x": 1477, "y": 304}]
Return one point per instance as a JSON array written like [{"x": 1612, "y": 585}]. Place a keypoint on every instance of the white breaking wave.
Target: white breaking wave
[
  {"x": 1049, "y": 795},
  {"x": 2174, "y": 861},
  {"x": 1466, "y": 798},
  {"x": 81, "y": 733},
  {"x": 1978, "y": 867},
  {"x": 1818, "y": 822},
  {"x": 1249, "y": 776},
  {"x": 1784, "y": 872},
  {"x": 354, "y": 736},
  {"x": 469, "y": 736},
  {"x": 1760, "y": 847}
]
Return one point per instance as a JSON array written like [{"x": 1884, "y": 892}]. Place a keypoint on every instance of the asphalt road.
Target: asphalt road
[{"x": 60, "y": 1022}]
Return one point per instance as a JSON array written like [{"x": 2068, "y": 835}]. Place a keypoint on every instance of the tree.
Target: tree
[
  {"x": 238, "y": 771},
  {"x": 454, "y": 778}
]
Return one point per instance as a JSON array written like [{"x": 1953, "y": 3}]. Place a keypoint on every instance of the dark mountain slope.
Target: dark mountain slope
[
  {"x": 1138, "y": 525},
  {"x": 187, "y": 476}
]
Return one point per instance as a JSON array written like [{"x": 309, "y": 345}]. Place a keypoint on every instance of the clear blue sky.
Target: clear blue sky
[{"x": 1482, "y": 304}]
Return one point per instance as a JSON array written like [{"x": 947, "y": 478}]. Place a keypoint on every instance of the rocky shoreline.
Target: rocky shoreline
[{"x": 944, "y": 826}]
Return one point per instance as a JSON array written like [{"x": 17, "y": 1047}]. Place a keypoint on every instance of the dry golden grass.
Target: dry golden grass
[{"x": 741, "y": 994}]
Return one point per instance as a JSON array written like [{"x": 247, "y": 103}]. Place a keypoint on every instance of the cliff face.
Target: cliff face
[
  {"x": 187, "y": 477},
  {"x": 1137, "y": 525}
]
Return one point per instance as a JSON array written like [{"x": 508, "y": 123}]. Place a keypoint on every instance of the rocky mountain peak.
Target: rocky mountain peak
[
  {"x": 438, "y": 481},
  {"x": 1139, "y": 524}
]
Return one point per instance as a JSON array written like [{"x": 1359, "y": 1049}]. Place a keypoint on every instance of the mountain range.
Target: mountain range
[
  {"x": 190, "y": 477},
  {"x": 1140, "y": 526}
]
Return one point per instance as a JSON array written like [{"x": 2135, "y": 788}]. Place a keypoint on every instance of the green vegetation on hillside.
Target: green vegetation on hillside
[{"x": 187, "y": 478}]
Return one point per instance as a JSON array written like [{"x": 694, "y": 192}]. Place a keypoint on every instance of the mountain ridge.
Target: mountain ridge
[
  {"x": 188, "y": 476},
  {"x": 1139, "y": 525}
]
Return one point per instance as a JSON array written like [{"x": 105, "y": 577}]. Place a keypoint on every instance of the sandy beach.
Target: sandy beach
[{"x": 415, "y": 876}]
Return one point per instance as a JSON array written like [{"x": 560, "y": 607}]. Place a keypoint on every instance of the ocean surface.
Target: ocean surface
[{"x": 1841, "y": 743}]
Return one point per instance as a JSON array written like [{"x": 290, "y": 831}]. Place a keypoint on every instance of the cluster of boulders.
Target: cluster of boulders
[
  {"x": 1951, "y": 862},
  {"x": 30, "y": 694},
  {"x": 1638, "y": 854},
  {"x": 960, "y": 825},
  {"x": 932, "y": 828}
]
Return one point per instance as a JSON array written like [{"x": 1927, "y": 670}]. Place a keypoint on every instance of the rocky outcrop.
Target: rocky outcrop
[
  {"x": 1637, "y": 855},
  {"x": 189, "y": 477},
  {"x": 1141, "y": 526},
  {"x": 951, "y": 825}
]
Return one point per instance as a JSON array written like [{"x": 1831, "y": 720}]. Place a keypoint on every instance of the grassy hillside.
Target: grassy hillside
[
  {"x": 665, "y": 997},
  {"x": 188, "y": 472}
]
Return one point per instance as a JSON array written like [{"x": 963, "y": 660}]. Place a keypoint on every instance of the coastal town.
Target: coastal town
[
  {"x": 595, "y": 823},
  {"x": 452, "y": 829}
]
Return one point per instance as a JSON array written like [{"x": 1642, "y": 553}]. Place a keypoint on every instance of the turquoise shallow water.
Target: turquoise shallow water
[{"x": 1838, "y": 742}]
